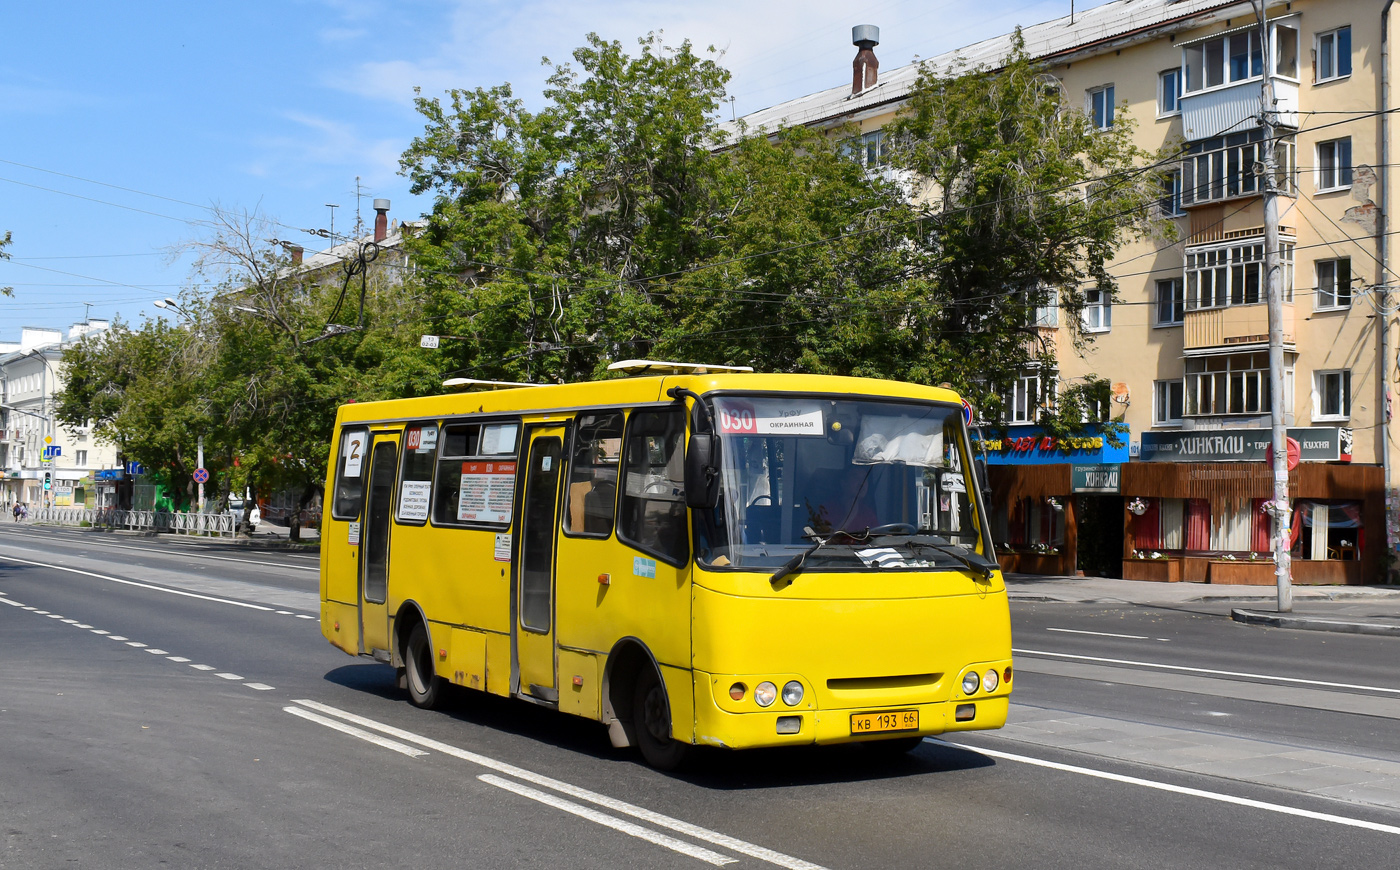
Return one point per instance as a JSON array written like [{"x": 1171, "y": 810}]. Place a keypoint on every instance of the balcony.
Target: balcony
[
  {"x": 1233, "y": 108},
  {"x": 1236, "y": 325}
]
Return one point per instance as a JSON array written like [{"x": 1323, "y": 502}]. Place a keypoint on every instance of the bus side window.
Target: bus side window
[
  {"x": 350, "y": 475},
  {"x": 484, "y": 454},
  {"x": 416, "y": 476},
  {"x": 652, "y": 513},
  {"x": 597, "y": 452}
]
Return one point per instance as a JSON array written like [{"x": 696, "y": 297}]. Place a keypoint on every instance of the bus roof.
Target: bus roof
[{"x": 626, "y": 392}]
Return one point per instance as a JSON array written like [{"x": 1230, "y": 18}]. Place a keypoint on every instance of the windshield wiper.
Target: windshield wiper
[
  {"x": 976, "y": 561},
  {"x": 796, "y": 563}
]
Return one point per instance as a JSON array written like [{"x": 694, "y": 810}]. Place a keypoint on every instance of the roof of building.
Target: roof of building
[
  {"x": 1115, "y": 20},
  {"x": 346, "y": 250}
]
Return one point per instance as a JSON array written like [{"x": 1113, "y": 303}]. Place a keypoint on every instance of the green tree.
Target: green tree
[{"x": 1022, "y": 205}]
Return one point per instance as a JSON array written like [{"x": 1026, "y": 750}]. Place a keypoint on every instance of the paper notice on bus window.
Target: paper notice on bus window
[
  {"x": 354, "y": 453},
  {"x": 503, "y": 548},
  {"x": 430, "y": 434},
  {"x": 420, "y": 438},
  {"x": 770, "y": 417},
  {"x": 488, "y": 492},
  {"x": 413, "y": 500},
  {"x": 354, "y": 534},
  {"x": 498, "y": 438}
]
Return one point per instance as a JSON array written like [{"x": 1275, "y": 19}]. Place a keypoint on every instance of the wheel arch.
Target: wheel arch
[
  {"x": 409, "y": 614},
  {"x": 626, "y": 661}
]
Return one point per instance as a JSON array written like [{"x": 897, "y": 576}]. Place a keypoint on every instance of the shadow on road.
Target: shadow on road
[{"x": 709, "y": 768}]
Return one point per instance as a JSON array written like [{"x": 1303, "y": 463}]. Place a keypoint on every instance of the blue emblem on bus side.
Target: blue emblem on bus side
[{"x": 644, "y": 567}]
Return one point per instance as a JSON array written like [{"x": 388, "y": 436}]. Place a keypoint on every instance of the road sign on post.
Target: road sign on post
[{"x": 201, "y": 475}]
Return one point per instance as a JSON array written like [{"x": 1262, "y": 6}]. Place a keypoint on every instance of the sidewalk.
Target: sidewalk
[{"x": 1350, "y": 609}]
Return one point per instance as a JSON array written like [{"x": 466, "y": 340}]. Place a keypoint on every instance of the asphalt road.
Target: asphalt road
[{"x": 166, "y": 703}]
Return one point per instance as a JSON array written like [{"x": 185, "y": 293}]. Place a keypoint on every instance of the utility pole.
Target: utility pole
[
  {"x": 1273, "y": 271},
  {"x": 200, "y": 464}
]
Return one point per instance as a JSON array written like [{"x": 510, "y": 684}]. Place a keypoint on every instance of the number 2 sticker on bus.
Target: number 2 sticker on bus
[
  {"x": 354, "y": 453},
  {"x": 769, "y": 417}
]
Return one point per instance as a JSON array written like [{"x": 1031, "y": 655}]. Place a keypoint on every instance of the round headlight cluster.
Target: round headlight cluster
[
  {"x": 792, "y": 693},
  {"x": 990, "y": 680},
  {"x": 765, "y": 693},
  {"x": 971, "y": 680}
]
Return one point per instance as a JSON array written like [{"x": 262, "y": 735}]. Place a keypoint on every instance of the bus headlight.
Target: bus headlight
[
  {"x": 765, "y": 693},
  {"x": 990, "y": 680},
  {"x": 792, "y": 693},
  {"x": 971, "y": 680}
]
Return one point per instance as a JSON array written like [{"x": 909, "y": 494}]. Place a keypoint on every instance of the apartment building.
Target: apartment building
[
  {"x": 1185, "y": 348},
  {"x": 34, "y": 448}
]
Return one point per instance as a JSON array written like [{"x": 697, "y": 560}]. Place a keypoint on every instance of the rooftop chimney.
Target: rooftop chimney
[
  {"x": 865, "y": 68},
  {"x": 381, "y": 219},
  {"x": 297, "y": 252}
]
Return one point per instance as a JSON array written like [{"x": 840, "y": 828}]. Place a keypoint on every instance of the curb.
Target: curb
[{"x": 1305, "y": 623}]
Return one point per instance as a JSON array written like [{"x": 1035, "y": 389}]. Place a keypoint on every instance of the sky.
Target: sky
[{"x": 122, "y": 124}]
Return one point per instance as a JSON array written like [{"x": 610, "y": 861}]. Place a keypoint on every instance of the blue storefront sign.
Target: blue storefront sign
[
  {"x": 1029, "y": 445},
  {"x": 108, "y": 474}
]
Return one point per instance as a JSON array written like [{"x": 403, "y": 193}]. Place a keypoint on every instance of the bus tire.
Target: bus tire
[
  {"x": 423, "y": 684},
  {"x": 651, "y": 723}
]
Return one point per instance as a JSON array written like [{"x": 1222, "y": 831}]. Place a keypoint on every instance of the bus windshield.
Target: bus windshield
[{"x": 798, "y": 471}]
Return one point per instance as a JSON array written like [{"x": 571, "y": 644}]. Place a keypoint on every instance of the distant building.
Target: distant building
[
  {"x": 1186, "y": 348},
  {"x": 32, "y": 443}
]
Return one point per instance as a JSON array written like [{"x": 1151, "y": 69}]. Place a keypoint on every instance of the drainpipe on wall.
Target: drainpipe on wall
[{"x": 1382, "y": 254}]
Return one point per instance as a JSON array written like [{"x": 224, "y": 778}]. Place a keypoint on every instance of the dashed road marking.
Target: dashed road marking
[
  {"x": 229, "y": 676},
  {"x": 261, "y": 687},
  {"x": 116, "y": 637},
  {"x": 136, "y": 643},
  {"x": 180, "y": 659},
  {"x": 157, "y": 652},
  {"x": 203, "y": 667},
  {"x": 356, "y": 732}
]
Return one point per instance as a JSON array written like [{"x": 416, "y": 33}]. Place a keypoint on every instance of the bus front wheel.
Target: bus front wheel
[
  {"x": 651, "y": 723},
  {"x": 424, "y": 687}
]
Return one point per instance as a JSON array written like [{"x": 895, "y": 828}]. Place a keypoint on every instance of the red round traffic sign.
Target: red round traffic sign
[
  {"x": 1295, "y": 454},
  {"x": 201, "y": 475}
]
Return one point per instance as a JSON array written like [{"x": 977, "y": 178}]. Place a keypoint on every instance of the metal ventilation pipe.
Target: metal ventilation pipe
[{"x": 865, "y": 68}]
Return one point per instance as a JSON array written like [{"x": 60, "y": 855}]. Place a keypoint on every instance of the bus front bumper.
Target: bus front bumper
[{"x": 797, "y": 727}]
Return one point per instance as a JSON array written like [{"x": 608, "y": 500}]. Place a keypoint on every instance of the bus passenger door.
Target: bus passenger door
[
  {"x": 374, "y": 548},
  {"x": 534, "y": 599}
]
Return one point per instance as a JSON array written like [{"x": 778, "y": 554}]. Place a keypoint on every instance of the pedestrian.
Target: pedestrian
[{"x": 16, "y": 511}]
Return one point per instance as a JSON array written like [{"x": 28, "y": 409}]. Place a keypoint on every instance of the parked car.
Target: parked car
[{"x": 235, "y": 507}]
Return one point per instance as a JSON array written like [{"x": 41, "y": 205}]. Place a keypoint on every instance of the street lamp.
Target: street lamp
[{"x": 170, "y": 304}]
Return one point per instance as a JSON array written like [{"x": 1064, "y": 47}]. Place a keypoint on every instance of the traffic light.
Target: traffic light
[{"x": 48, "y": 480}]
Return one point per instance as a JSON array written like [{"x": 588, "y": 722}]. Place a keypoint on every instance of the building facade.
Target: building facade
[
  {"x": 43, "y": 463},
  {"x": 1185, "y": 346}
]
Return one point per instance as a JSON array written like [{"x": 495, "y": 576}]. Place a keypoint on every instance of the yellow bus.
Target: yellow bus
[{"x": 691, "y": 555}]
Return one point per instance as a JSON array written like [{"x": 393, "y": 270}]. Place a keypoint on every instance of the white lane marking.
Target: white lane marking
[
  {"x": 162, "y": 552},
  {"x": 229, "y": 676},
  {"x": 1299, "y": 680},
  {"x": 613, "y": 822},
  {"x": 136, "y": 643},
  {"x": 117, "y": 637},
  {"x": 284, "y": 613},
  {"x": 180, "y": 659},
  {"x": 71, "y": 621},
  {"x": 11, "y": 603},
  {"x": 81, "y": 625},
  {"x": 40, "y": 612},
  {"x": 55, "y": 616},
  {"x": 157, "y": 652},
  {"x": 304, "y": 616},
  {"x": 100, "y": 631},
  {"x": 356, "y": 732},
  {"x": 1179, "y": 789},
  {"x": 203, "y": 667},
  {"x": 1099, "y": 633},
  {"x": 713, "y": 837},
  {"x": 141, "y": 585},
  {"x": 261, "y": 687}
]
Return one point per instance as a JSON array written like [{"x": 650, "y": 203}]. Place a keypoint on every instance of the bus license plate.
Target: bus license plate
[{"x": 893, "y": 720}]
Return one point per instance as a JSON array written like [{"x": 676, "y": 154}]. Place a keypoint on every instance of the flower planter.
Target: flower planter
[
  {"x": 1241, "y": 573},
  {"x": 1155, "y": 570},
  {"x": 1048, "y": 564}
]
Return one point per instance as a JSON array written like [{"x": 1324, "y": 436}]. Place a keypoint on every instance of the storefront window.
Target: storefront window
[
  {"x": 1327, "y": 530},
  {"x": 1036, "y": 524}
]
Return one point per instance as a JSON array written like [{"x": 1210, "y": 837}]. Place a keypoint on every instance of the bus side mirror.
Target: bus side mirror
[
  {"x": 702, "y": 471},
  {"x": 979, "y": 469}
]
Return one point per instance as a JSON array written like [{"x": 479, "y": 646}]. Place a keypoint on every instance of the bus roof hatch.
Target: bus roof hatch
[{"x": 652, "y": 366}]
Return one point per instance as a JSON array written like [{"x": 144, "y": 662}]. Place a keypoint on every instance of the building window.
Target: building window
[
  {"x": 80, "y": 457},
  {"x": 1168, "y": 93},
  {"x": 1332, "y": 395},
  {"x": 1333, "y": 284},
  {"x": 1222, "y": 167},
  {"x": 1217, "y": 277},
  {"x": 1101, "y": 107},
  {"x": 1168, "y": 402},
  {"x": 1235, "y": 384},
  {"x": 868, "y": 149},
  {"x": 1171, "y": 302},
  {"x": 1235, "y": 57},
  {"x": 1048, "y": 315},
  {"x": 1098, "y": 311},
  {"x": 1029, "y": 395},
  {"x": 1334, "y": 164},
  {"x": 1333, "y": 54},
  {"x": 1170, "y": 203}
]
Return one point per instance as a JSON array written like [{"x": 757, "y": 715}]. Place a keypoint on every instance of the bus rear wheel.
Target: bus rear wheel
[
  {"x": 651, "y": 723},
  {"x": 424, "y": 686}
]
